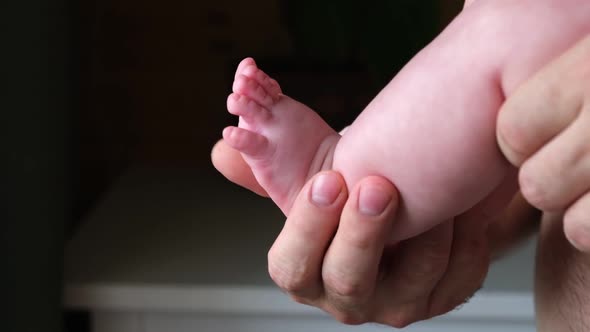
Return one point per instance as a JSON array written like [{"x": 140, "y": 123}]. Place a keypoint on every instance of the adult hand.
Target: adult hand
[
  {"x": 544, "y": 128},
  {"x": 332, "y": 254},
  {"x": 332, "y": 251}
]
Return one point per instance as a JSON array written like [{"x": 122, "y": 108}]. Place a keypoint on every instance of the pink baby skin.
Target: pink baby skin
[{"x": 430, "y": 131}]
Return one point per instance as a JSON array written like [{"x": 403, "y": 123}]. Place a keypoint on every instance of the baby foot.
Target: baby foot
[{"x": 283, "y": 141}]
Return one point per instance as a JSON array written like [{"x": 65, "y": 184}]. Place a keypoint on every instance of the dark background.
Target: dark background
[{"x": 94, "y": 87}]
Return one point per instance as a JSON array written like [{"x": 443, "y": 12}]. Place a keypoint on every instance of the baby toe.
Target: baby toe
[
  {"x": 251, "y": 88},
  {"x": 247, "y": 62},
  {"x": 243, "y": 106}
]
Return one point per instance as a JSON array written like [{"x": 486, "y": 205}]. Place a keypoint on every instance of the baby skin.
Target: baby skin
[{"x": 430, "y": 131}]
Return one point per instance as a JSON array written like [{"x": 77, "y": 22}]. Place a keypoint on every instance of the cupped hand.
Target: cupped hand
[
  {"x": 332, "y": 251},
  {"x": 332, "y": 254}
]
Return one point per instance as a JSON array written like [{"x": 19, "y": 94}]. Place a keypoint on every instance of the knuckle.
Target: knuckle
[
  {"x": 286, "y": 281},
  {"x": 403, "y": 317},
  {"x": 577, "y": 217},
  {"x": 400, "y": 322},
  {"x": 535, "y": 191},
  {"x": 350, "y": 303},
  {"x": 291, "y": 279},
  {"x": 532, "y": 191},
  {"x": 351, "y": 318},
  {"x": 301, "y": 300},
  {"x": 348, "y": 312},
  {"x": 359, "y": 240},
  {"x": 344, "y": 288}
]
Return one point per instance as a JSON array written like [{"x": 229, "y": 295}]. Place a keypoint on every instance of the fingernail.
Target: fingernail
[
  {"x": 325, "y": 189},
  {"x": 373, "y": 200}
]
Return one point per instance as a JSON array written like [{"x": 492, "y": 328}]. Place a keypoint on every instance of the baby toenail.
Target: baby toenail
[
  {"x": 373, "y": 200},
  {"x": 325, "y": 189},
  {"x": 250, "y": 70}
]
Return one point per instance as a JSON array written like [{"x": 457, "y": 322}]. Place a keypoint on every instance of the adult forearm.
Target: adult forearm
[{"x": 562, "y": 287}]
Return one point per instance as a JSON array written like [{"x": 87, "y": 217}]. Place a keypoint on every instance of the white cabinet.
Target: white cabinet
[{"x": 181, "y": 250}]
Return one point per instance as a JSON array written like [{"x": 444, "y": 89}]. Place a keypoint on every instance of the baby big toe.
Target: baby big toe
[
  {"x": 247, "y": 62},
  {"x": 246, "y": 141}
]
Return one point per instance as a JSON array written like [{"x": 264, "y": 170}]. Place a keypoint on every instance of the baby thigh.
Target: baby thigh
[
  {"x": 438, "y": 177},
  {"x": 434, "y": 140},
  {"x": 431, "y": 130}
]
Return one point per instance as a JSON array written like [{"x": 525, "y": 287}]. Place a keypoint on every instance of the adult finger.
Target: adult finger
[
  {"x": 546, "y": 104},
  {"x": 470, "y": 253},
  {"x": 559, "y": 173},
  {"x": 295, "y": 259},
  {"x": 467, "y": 267},
  {"x": 478, "y": 236},
  {"x": 577, "y": 224},
  {"x": 351, "y": 263},
  {"x": 419, "y": 264},
  {"x": 230, "y": 163}
]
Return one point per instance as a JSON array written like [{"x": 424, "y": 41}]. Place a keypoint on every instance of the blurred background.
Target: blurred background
[
  {"x": 112, "y": 160},
  {"x": 155, "y": 76}
]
